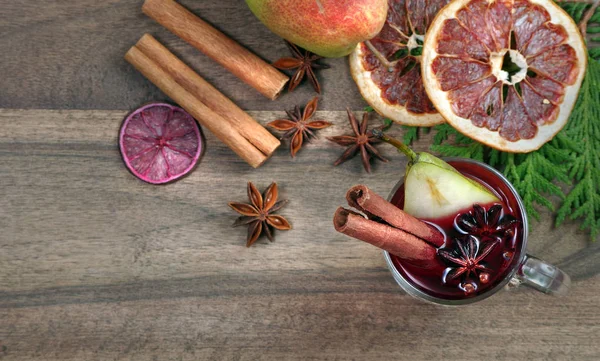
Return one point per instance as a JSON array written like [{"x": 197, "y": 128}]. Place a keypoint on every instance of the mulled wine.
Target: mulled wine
[{"x": 483, "y": 242}]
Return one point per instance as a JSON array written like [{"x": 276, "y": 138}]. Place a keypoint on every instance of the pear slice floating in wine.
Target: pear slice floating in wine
[{"x": 433, "y": 188}]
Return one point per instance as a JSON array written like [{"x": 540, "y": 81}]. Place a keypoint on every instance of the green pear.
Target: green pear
[{"x": 433, "y": 188}]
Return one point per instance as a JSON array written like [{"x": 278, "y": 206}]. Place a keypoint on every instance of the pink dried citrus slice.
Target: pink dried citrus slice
[
  {"x": 160, "y": 143},
  {"x": 504, "y": 72},
  {"x": 387, "y": 68}
]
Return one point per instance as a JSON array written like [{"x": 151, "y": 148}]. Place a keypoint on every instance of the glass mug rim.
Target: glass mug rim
[{"x": 412, "y": 290}]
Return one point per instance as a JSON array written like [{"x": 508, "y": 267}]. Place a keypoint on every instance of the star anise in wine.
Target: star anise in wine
[
  {"x": 492, "y": 223},
  {"x": 258, "y": 215},
  {"x": 299, "y": 128},
  {"x": 362, "y": 141},
  {"x": 305, "y": 63},
  {"x": 466, "y": 257}
]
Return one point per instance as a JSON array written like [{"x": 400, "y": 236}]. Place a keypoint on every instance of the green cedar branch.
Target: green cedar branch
[{"x": 583, "y": 201}]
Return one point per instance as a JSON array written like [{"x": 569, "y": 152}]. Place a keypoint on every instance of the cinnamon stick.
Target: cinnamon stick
[
  {"x": 209, "y": 95},
  {"x": 409, "y": 248},
  {"x": 372, "y": 204},
  {"x": 221, "y": 128},
  {"x": 242, "y": 63}
]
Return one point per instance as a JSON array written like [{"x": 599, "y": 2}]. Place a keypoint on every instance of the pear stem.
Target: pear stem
[{"x": 396, "y": 143}]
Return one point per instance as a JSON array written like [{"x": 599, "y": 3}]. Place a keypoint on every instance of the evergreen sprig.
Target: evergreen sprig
[
  {"x": 584, "y": 129},
  {"x": 410, "y": 134},
  {"x": 461, "y": 146},
  {"x": 577, "y": 10},
  {"x": 534, "y": 176}
]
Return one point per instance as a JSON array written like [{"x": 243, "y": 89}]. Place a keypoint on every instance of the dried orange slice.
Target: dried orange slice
[
  {"x": 504, "y": 72},
  {"x": 160, "y": 143},
  {"x": 387, "y": 68}
]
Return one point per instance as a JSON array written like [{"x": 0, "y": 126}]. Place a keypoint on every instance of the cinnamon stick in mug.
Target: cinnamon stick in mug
[
  {"x": 372, "y": 204},
  {"x": 397, "y": 242},
  {"x": 209, "y": 95},
  {"x": 221, "y": 128},
  {"x": 240, "y": 61}
]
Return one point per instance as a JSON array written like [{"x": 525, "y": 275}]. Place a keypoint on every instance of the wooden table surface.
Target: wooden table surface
[{"x": 96, "y": 265}]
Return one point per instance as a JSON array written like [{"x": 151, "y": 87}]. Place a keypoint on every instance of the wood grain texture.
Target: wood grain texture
[
  {"x": 96, "y": 265},
  {"x": 69, "y": 55}
]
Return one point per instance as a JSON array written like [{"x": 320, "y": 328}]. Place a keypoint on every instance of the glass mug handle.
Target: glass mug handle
[{"x": 542, "y": 276}]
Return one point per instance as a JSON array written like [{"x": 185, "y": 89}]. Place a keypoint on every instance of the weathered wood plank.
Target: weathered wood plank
[
  {"x": 66, "y": 55},
  {"x": 72, "y": 214},
  {"x": 320, "y": 318}
]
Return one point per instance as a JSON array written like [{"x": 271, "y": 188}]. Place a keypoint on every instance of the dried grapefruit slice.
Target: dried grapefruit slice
[
  {"x": 504, "y": 72},
  {"x": 387, "y": 68},
  {"x": 160, "y": 143}
]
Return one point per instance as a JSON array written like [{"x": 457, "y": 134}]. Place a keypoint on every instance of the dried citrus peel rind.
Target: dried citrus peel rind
[{"x": 387, "y": 68}]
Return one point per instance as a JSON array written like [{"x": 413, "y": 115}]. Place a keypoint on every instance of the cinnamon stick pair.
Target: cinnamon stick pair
[
  {"x": 211, "y": 108},
  {"x": 388, "y": 228},
  {"x": 242, "y": 63}
]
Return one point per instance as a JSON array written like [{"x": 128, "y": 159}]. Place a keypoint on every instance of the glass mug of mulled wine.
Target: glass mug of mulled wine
[{"x": 484, "y": 249}]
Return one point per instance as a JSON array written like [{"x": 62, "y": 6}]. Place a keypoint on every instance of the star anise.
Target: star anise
[
  {"x": 259, "y": 214},
  {"x": 362, "y": 141},
  {"x": 466, "y": 257},
  {"x": 488, "y": 224},
  {"x": 299, "y": 128},
  {"x": 305, "y": 63}
]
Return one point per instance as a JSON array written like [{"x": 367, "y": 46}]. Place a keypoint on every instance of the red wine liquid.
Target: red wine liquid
[{"x": 501, "y": 260}]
